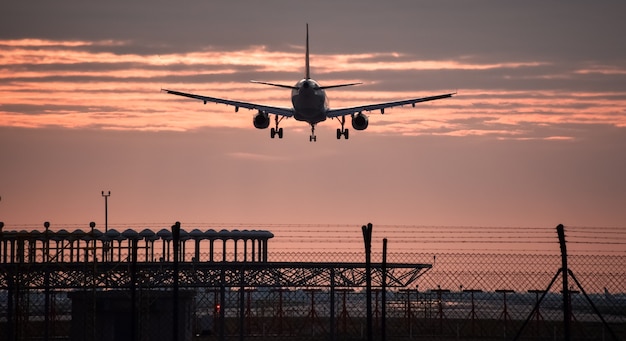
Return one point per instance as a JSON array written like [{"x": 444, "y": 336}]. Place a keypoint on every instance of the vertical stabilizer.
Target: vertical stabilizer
[{"x": 308, "y": 73}]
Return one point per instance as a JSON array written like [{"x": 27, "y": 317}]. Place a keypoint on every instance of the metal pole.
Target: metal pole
[
  {"x": 106, "y": 226},
  {"x": 46, "y": 284},
  {"x": 242, "y": 292},
  {"x": 333, "y": 335},
  {"x": 383, "y": 326},
  {"x": 2, "y": 251},
  {"x": 367, "y": 238},
  {"x": 175, "y": 240},
  {"x": 92, "y": 225},
  {"x": 9, "y": 310},
  {"x": 133, "y": 290},
  {"x": 567, "y": 309},
  {"x": 593, "y": 306},
  {"x": 106, "y": 210}
]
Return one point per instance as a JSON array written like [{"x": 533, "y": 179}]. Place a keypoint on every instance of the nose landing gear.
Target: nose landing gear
[{"x": 312, "y": 138}]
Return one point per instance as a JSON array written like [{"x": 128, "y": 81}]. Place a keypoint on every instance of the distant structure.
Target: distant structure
[
  {"x": 113, "y": 246},
  {"x": 131, "y": 285}
]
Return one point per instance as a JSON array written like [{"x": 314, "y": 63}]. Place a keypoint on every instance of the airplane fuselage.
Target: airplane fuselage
[{"x": 309, "y": 102}]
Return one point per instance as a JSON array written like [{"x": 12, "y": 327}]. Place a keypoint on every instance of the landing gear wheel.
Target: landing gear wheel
[
  {"x": 343, "y": 133},
  {"x": 342, "y": 130},
  {"x": 274, "y": 132},
  {"x": 277, "y": 131}
]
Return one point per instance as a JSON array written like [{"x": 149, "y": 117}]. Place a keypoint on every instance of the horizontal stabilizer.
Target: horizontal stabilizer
[
  {"x": 338, "y": 86},
  {"x": 278, "y": 85}
]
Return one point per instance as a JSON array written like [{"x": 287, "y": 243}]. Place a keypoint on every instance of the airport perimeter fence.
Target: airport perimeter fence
[{"x": 462, "y": 296}]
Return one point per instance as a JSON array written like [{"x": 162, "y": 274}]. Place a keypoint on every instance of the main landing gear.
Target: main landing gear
[
  {"x": 277, "y": 131},
  {"x": 274, "y": 132},
  {"x": 312, "y": 138},
  {"x": 341, "y": 131}
]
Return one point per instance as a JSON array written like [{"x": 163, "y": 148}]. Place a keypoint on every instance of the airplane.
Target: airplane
[{"x": 309, "y": 104}]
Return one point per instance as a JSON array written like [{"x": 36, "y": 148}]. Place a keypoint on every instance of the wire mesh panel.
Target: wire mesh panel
[
  {"x": 463, "y": 296},
  {"x": 59, "y": 289}
]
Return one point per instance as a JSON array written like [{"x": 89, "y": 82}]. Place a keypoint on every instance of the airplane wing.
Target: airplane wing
[
  {"x": 381, "y": 106},
  {"x": 287, "y": 112}
]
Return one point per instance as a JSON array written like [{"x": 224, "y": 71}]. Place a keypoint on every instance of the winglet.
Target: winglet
[{"x": 308, "y": 73}]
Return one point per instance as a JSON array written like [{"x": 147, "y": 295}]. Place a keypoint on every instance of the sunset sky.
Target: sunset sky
[{"x": 535, "y": 137}]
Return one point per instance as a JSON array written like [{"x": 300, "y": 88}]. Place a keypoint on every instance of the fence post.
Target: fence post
[
  {"x": 242, "y": 293},
  {"x": 92, "y": 225},
  {"x": 383, "y": 326},
  {"x": 133, "y": 290},
  {"x": 175, "y": 240},
  {"x": 46, "y": 285},
  {"x": 367, "y": 238},
  {"x": 333, "y": 322},
  {"x": 567, "y": 309}
]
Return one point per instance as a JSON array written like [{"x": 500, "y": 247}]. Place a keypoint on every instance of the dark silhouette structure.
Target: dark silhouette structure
[{"x": 146, "y": 267}]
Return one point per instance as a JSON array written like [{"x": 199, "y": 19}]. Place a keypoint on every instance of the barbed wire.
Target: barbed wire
[
  {"x": 611, "y": 240},
  {"x": 337, "y": 228}
]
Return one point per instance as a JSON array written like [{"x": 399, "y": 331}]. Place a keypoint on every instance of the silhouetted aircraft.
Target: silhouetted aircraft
[{"x": 310, "y": 105}]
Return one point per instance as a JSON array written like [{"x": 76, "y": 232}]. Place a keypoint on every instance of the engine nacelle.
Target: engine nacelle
[
  {"x": 359, "y": 122},
  {"x": 261, "y": 120}
]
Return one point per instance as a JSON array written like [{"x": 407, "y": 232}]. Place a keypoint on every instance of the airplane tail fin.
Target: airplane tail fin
[
  {"x": 308, "y": 69},
  {"x": 308, "y": 72}
]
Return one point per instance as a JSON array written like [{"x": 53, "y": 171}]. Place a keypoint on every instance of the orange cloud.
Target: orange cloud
[{"x": 70, "y": 84}]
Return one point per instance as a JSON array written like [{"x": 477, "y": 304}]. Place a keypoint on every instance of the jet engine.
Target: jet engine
[
  {"x": 359, "y": 121},
  {"x": 261, "y": 120}
]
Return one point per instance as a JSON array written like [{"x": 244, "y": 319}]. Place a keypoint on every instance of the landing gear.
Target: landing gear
[
  {"x": 274, "y": 132},
  {"x": 341, "y": 131},
  {"x": 312, "y": 138},
  {"x": 277, "y": 131}
]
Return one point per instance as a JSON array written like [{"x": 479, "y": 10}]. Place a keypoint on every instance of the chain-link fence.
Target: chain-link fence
[{"x": 462, "y": 296}]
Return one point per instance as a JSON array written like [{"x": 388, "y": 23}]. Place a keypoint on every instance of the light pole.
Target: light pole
[
  {"x": 106, "y": 210},
  {"x": 106, "y": 225}
]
